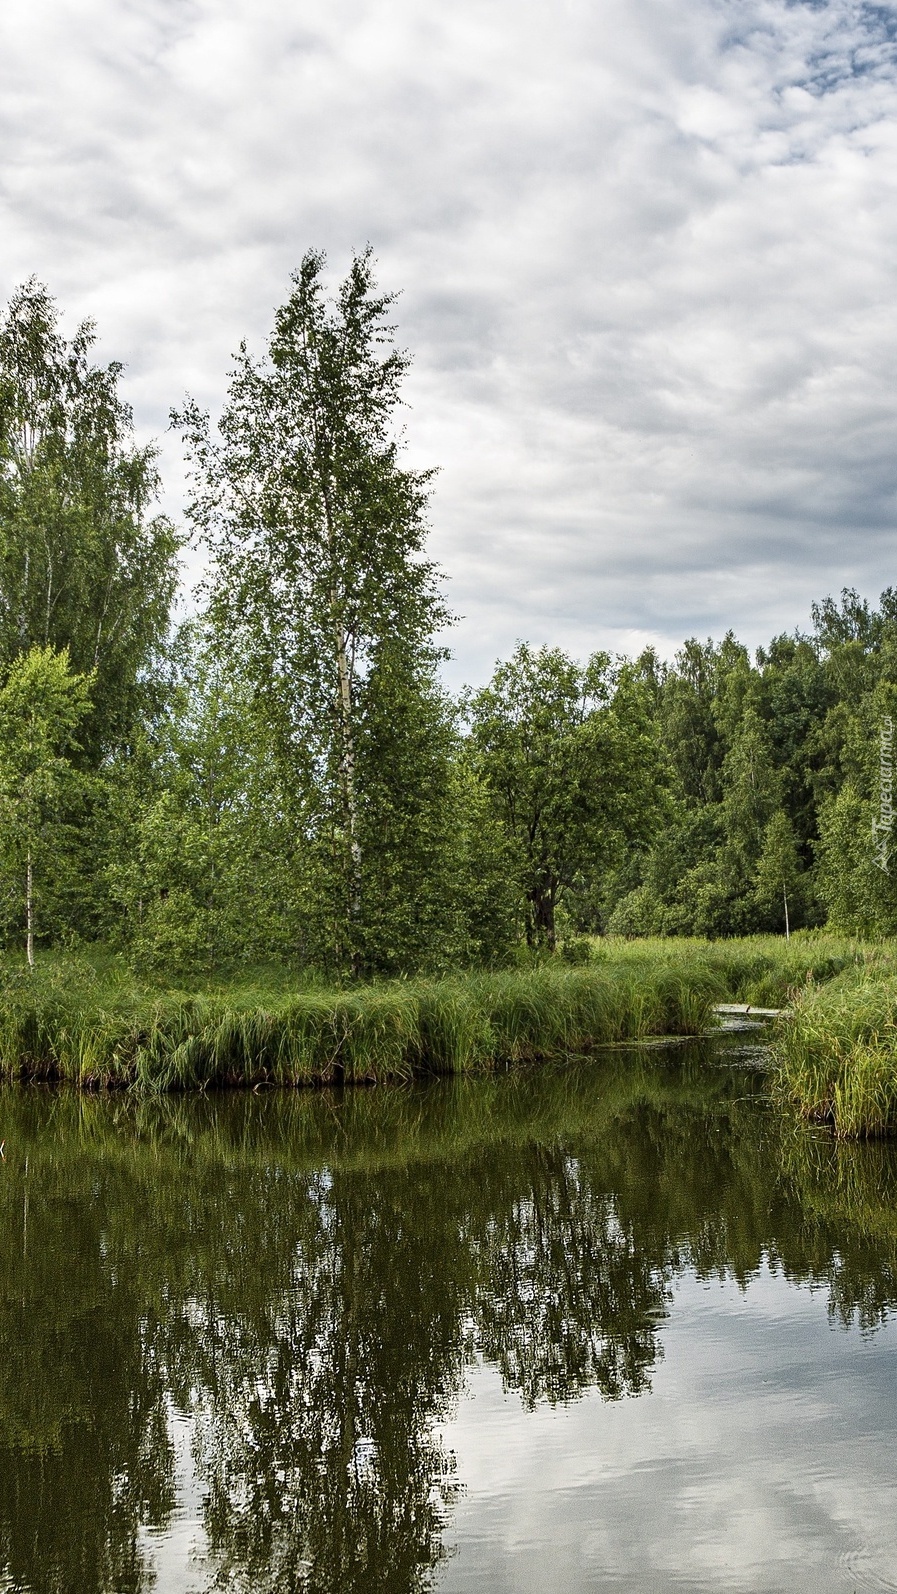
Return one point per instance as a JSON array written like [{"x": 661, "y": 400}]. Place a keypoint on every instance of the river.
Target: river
[{"x": 614, "y": 1324}]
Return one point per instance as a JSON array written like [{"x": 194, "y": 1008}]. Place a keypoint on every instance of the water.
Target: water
[{"x": 606, "y": 1326}]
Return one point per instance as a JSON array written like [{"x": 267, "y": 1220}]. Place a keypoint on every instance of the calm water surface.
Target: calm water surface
[{"x": 611, "y": 1326}]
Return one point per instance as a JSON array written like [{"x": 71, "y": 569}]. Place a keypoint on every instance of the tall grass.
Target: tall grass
[
  {"x": 765, "y": 970},
  {"x": 837, "y": 1055},
  {"x": 836, "y": 1049},
  {"x": 87, "y": 1019},
  {"x": 99, "y": 1028}
]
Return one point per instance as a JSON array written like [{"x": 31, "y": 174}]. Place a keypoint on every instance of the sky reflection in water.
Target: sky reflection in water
[{"x": 608, "y": 1326}]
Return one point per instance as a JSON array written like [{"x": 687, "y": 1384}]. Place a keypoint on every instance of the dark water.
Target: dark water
[{"x": 611, "y": 1326}]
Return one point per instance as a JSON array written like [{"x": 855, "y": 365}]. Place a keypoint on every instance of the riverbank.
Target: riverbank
[
  {"x": 87, "y": 1019},
  {"x": 835, "y": 1045},
  {"x": 103, "y": 1029},
  {"x": 837, "y": 1055}
]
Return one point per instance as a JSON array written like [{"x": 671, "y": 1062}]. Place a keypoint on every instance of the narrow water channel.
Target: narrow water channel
[{"x": 611, "y": 1325}]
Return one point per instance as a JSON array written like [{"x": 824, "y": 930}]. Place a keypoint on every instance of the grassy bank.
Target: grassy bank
[
  {"x": 837, "y": 1055},
  {"x": 87, "y": 1019},
  {"x": 98, "y": 1027},
  {"x": 836, "y": 1050}
]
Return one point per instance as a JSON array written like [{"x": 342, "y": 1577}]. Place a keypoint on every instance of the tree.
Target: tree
[
  {"x": 742, "y": 744},
  {"x": 83, "y": 564},
  {"x": 42, "y": 704},
  {"x": 779, "y": 879},
  {"x": 571, "y": 769},
  {"x": 436, "y": 875},
  {"x": 690, "y": 729},
  {"x": 793, "y": 698},
  {"x": 318, "y": 577},
  {"x": 200, "y": 870}
]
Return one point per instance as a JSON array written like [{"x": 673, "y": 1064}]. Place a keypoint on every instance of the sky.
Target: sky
[{"x": 646, "y": 254}]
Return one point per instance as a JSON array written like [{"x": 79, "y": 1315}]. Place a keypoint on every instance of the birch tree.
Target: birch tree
[{"x": 316, "y": 530}]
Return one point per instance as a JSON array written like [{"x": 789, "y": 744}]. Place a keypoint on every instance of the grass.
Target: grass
[
  {"x": 765, "y": 970},
  {"x": 96, "y": 1026},
  {"x": 836, "y": 1050},
  {"x": 837, "y": 1055},
  {"x": 85, "y": 1018}
]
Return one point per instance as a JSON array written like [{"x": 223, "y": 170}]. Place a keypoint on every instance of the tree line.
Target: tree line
[{"x": 283, "y": 776}]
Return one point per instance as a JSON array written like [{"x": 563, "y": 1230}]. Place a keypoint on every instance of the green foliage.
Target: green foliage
[
  {"x": 287, "y": 780},
  {"x": 854, "y": 890},
  {"x": 320, "y": 588},
  {"x": 837, "y": 1054},
  {"x": 84, "y": 566},
  {"x": 42, "y": 707},
  {"x": 108, "y": 1029},
  {"x": 202, "y": 871},
  {"x": 779, "y": 878},
  {"x": 776, "y": 784},
  {"x": 435, "y": 871},
  {"x": 572, "y": 769},
  {"x": 854, "y": 880}
]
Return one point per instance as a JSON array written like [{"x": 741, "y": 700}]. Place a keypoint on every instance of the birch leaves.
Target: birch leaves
[{"x": 316, "y": 532}]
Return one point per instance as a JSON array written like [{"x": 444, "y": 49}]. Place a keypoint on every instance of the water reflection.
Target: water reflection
[{"x": 309, "y": 1279}]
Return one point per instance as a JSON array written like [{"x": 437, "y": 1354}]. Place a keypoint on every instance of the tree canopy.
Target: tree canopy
[{"x": 85, "y": 564}]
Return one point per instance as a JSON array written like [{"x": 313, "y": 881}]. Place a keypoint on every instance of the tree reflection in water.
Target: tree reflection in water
[{"x": 308, "y": 1279}]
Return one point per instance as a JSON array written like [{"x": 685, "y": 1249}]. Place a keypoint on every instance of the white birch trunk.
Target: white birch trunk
[
  {"x": 347, "y": 766},
  {"x": 347, "y": 736},
  {"x": 29, "y": 912}
]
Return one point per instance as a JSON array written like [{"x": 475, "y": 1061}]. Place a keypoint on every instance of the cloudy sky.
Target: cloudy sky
[{"x": 646, "y": 254}]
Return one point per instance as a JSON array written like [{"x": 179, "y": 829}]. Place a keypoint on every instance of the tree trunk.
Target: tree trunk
[
  {"x": 347, "y": 736},
  {"x": 542, "y": 908},
  {"x": 347, "y": 775},
  {"x": 29, "y": 912},
  {"x": 787, "y": 924}
]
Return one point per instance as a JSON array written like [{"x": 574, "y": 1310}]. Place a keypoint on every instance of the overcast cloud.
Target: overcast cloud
[{"x": 647, "y": 255}]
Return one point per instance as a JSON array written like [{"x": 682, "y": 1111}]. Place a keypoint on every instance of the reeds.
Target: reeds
[
  {"x": 837, "y": 1056},
  {"x": 102, "y": 1030}
]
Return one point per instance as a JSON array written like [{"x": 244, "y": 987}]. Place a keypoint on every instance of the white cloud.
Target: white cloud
[
  {"x": 647, "y": 254},
  {"x": 760, "y": 1460}
]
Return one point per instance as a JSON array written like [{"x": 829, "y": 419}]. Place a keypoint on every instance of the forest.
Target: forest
[{"x": 273, "y": 772}]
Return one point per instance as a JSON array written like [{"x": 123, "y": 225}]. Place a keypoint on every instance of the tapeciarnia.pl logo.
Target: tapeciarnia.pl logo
[{"x": 881, "y": 827}]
